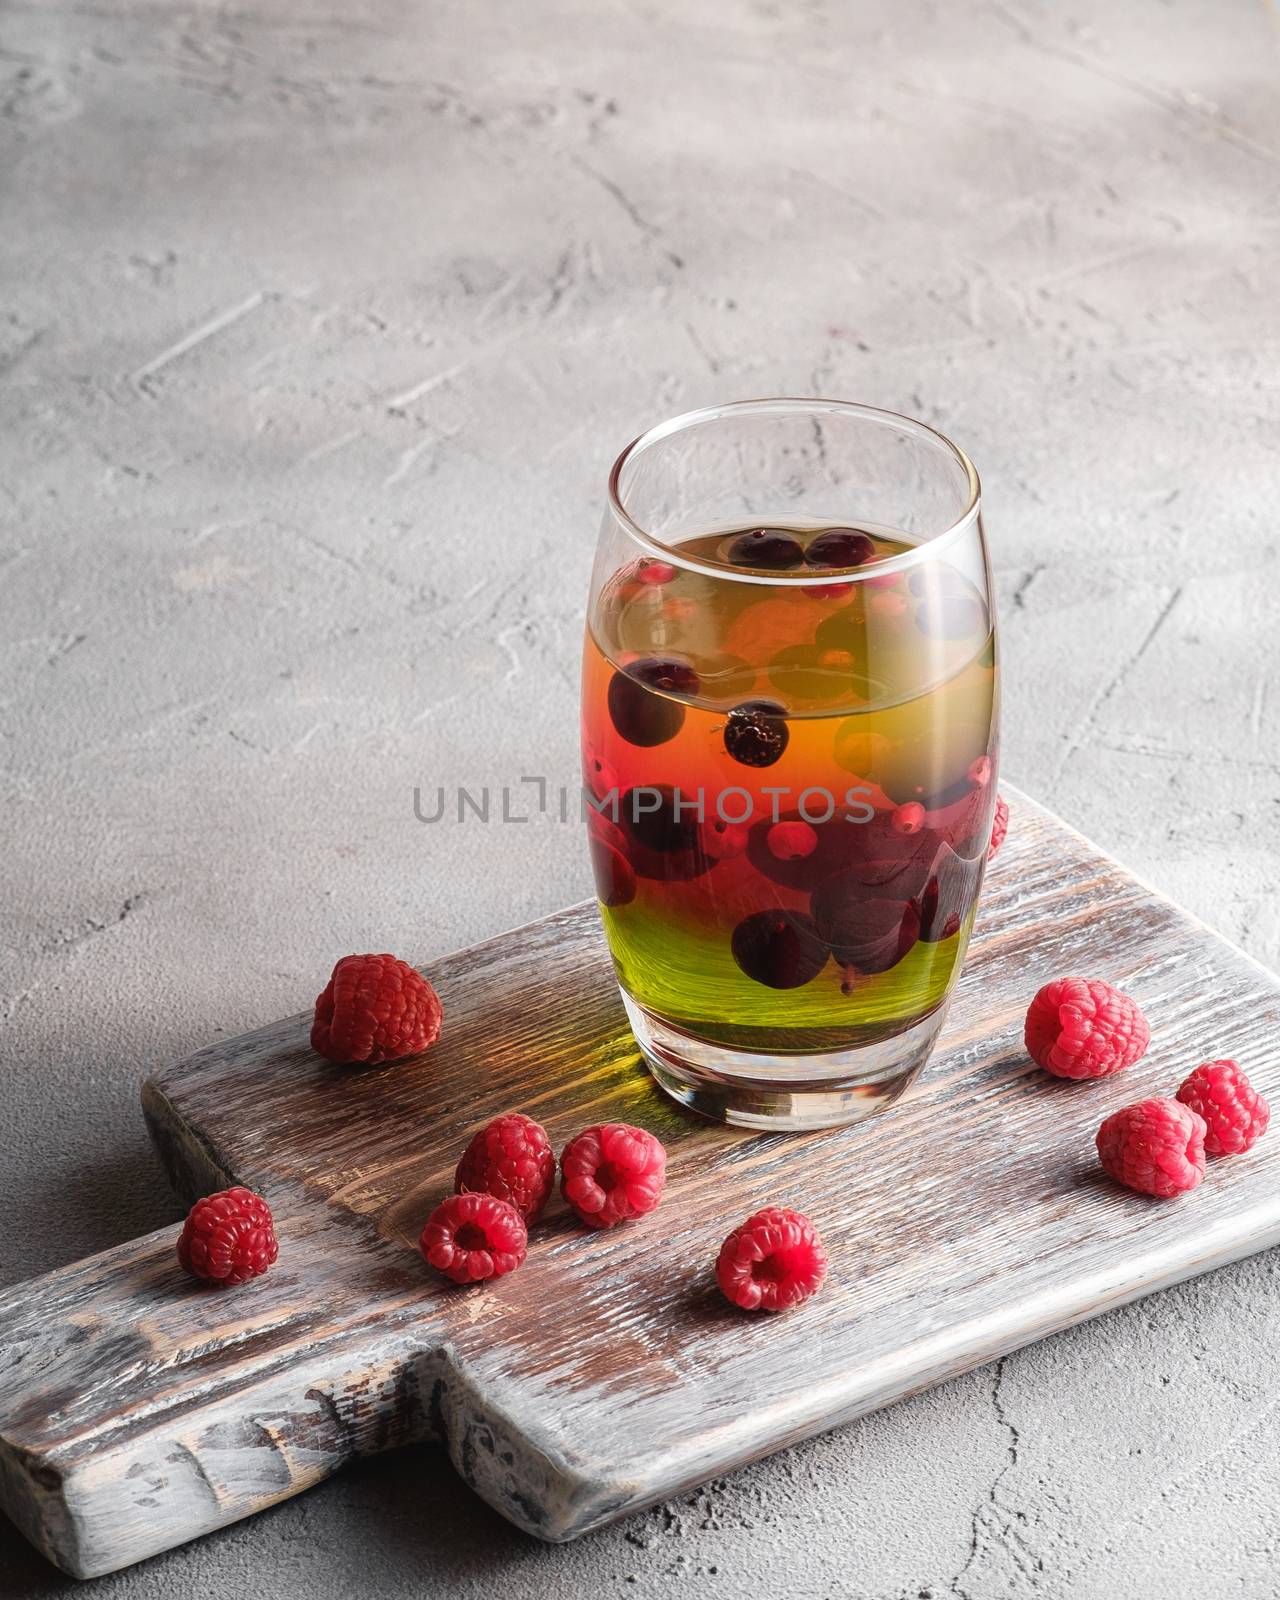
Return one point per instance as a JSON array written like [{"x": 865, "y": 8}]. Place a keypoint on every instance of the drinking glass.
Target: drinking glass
[{"x": 789, "y": 716}]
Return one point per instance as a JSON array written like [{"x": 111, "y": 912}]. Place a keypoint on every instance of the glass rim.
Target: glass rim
[{"x": 783, "y": 405}]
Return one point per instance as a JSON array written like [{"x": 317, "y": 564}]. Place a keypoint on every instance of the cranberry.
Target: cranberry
[
  {"x": 755, "y": 733},
  {"x": 766, "y": 548},
  {"x": 638, "y": 705},
  {"x": 780, "y": 949},
  {"x": 840, "y": 547}
]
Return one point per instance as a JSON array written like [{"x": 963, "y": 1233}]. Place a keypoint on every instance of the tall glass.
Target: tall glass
[{"x": 789, "y": 712}]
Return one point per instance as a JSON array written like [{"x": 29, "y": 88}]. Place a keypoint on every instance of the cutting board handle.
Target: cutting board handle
[{"x": 139, "y": 1409}]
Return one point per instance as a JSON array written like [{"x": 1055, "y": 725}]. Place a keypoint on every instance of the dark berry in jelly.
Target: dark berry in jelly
[
  {"x": 932, "y": 770},
  {"x": 615, "y": 876},
  {"x": 779, "y": 948},
  {"x": 840, "y": 547},
  {"x": 864, "y": 930},
  {"x": 663, "y": 833},
  {"x": 755, "y": 733},
  {"x": 638, "y": 703},
  {"x": 766, "y": 548}
]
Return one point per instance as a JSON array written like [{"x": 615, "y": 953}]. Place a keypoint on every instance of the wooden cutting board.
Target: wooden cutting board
[{"x": 138, "y": 1409}]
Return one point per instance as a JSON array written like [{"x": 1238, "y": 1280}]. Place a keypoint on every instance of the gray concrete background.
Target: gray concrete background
[{"x": 319, "y": 326}]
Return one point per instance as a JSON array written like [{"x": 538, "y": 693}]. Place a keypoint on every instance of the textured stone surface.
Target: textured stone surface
[{"x": 318, "y": 329}]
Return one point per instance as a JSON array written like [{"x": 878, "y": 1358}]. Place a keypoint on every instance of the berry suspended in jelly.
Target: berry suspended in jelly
[
  {"x": 615, "y": 876},
  {"x": 840, "y": 547},
  {"x": 768, "y": 549},
  {"x": 780, "y": 949},
  {"x": 863, "y": 929},
  {"x": 755, "y": 733},
  {"x": 638, "y": 705},
  {"x": 663, "y": 833}
]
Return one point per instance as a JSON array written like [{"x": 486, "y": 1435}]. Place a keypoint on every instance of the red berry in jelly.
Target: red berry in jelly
[
  {"x": 655, "y": 572},
  {"x": 792, "y": 841}
]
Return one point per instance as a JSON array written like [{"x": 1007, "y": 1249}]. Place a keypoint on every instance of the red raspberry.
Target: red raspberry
[
  {"x": 655, "y": 572},
  {"x": 228, "y": 1237},
  {"x": 1083, "y": 1028},
  {"x": 1235, "y": 1113},
  {"x": 999, "y": 826},
  {"x": 771, "y": 1261},
  {"x": 1156, "y": 1147},
  {"x": 470, "y": 1237},
  {"x": 511, "y": 1159},
  {"x": 612, "y": 1172},
  {"x": 791, "y": 841},
  {"x": 375, "y": 1008},
  {"x": 908, "y": 819}
]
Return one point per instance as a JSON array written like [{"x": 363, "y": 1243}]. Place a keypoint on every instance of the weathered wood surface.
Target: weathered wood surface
[{"x": 138, "y": 1410}]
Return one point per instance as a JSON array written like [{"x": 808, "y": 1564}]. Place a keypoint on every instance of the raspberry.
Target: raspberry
[
  {"x": 1083, "y": 1028},
  {"x": 374, "y": 1009},
  {"x": 655, "y": 572},
  {"x": 999, "y": 826},
  {"x": 791, "y": 841},
  {"x": 909, "y": 819},
  {"x": 470, "y": 1237},
  {"x": 771, "y": 1261},
  {"x": 1156, "y": 1147},
  {"x": 511, "y": 1159},
  {"x": 228, "y": 1237},
  {"x": 1235, "y": 1113},
  {"x": 612, "y": 1172}
]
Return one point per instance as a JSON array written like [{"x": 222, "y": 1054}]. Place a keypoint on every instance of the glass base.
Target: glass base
[{"x": 757, "y": 1089}]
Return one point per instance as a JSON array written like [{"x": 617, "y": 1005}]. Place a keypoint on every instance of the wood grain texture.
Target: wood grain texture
[{"x": 138, "y": 1410}]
